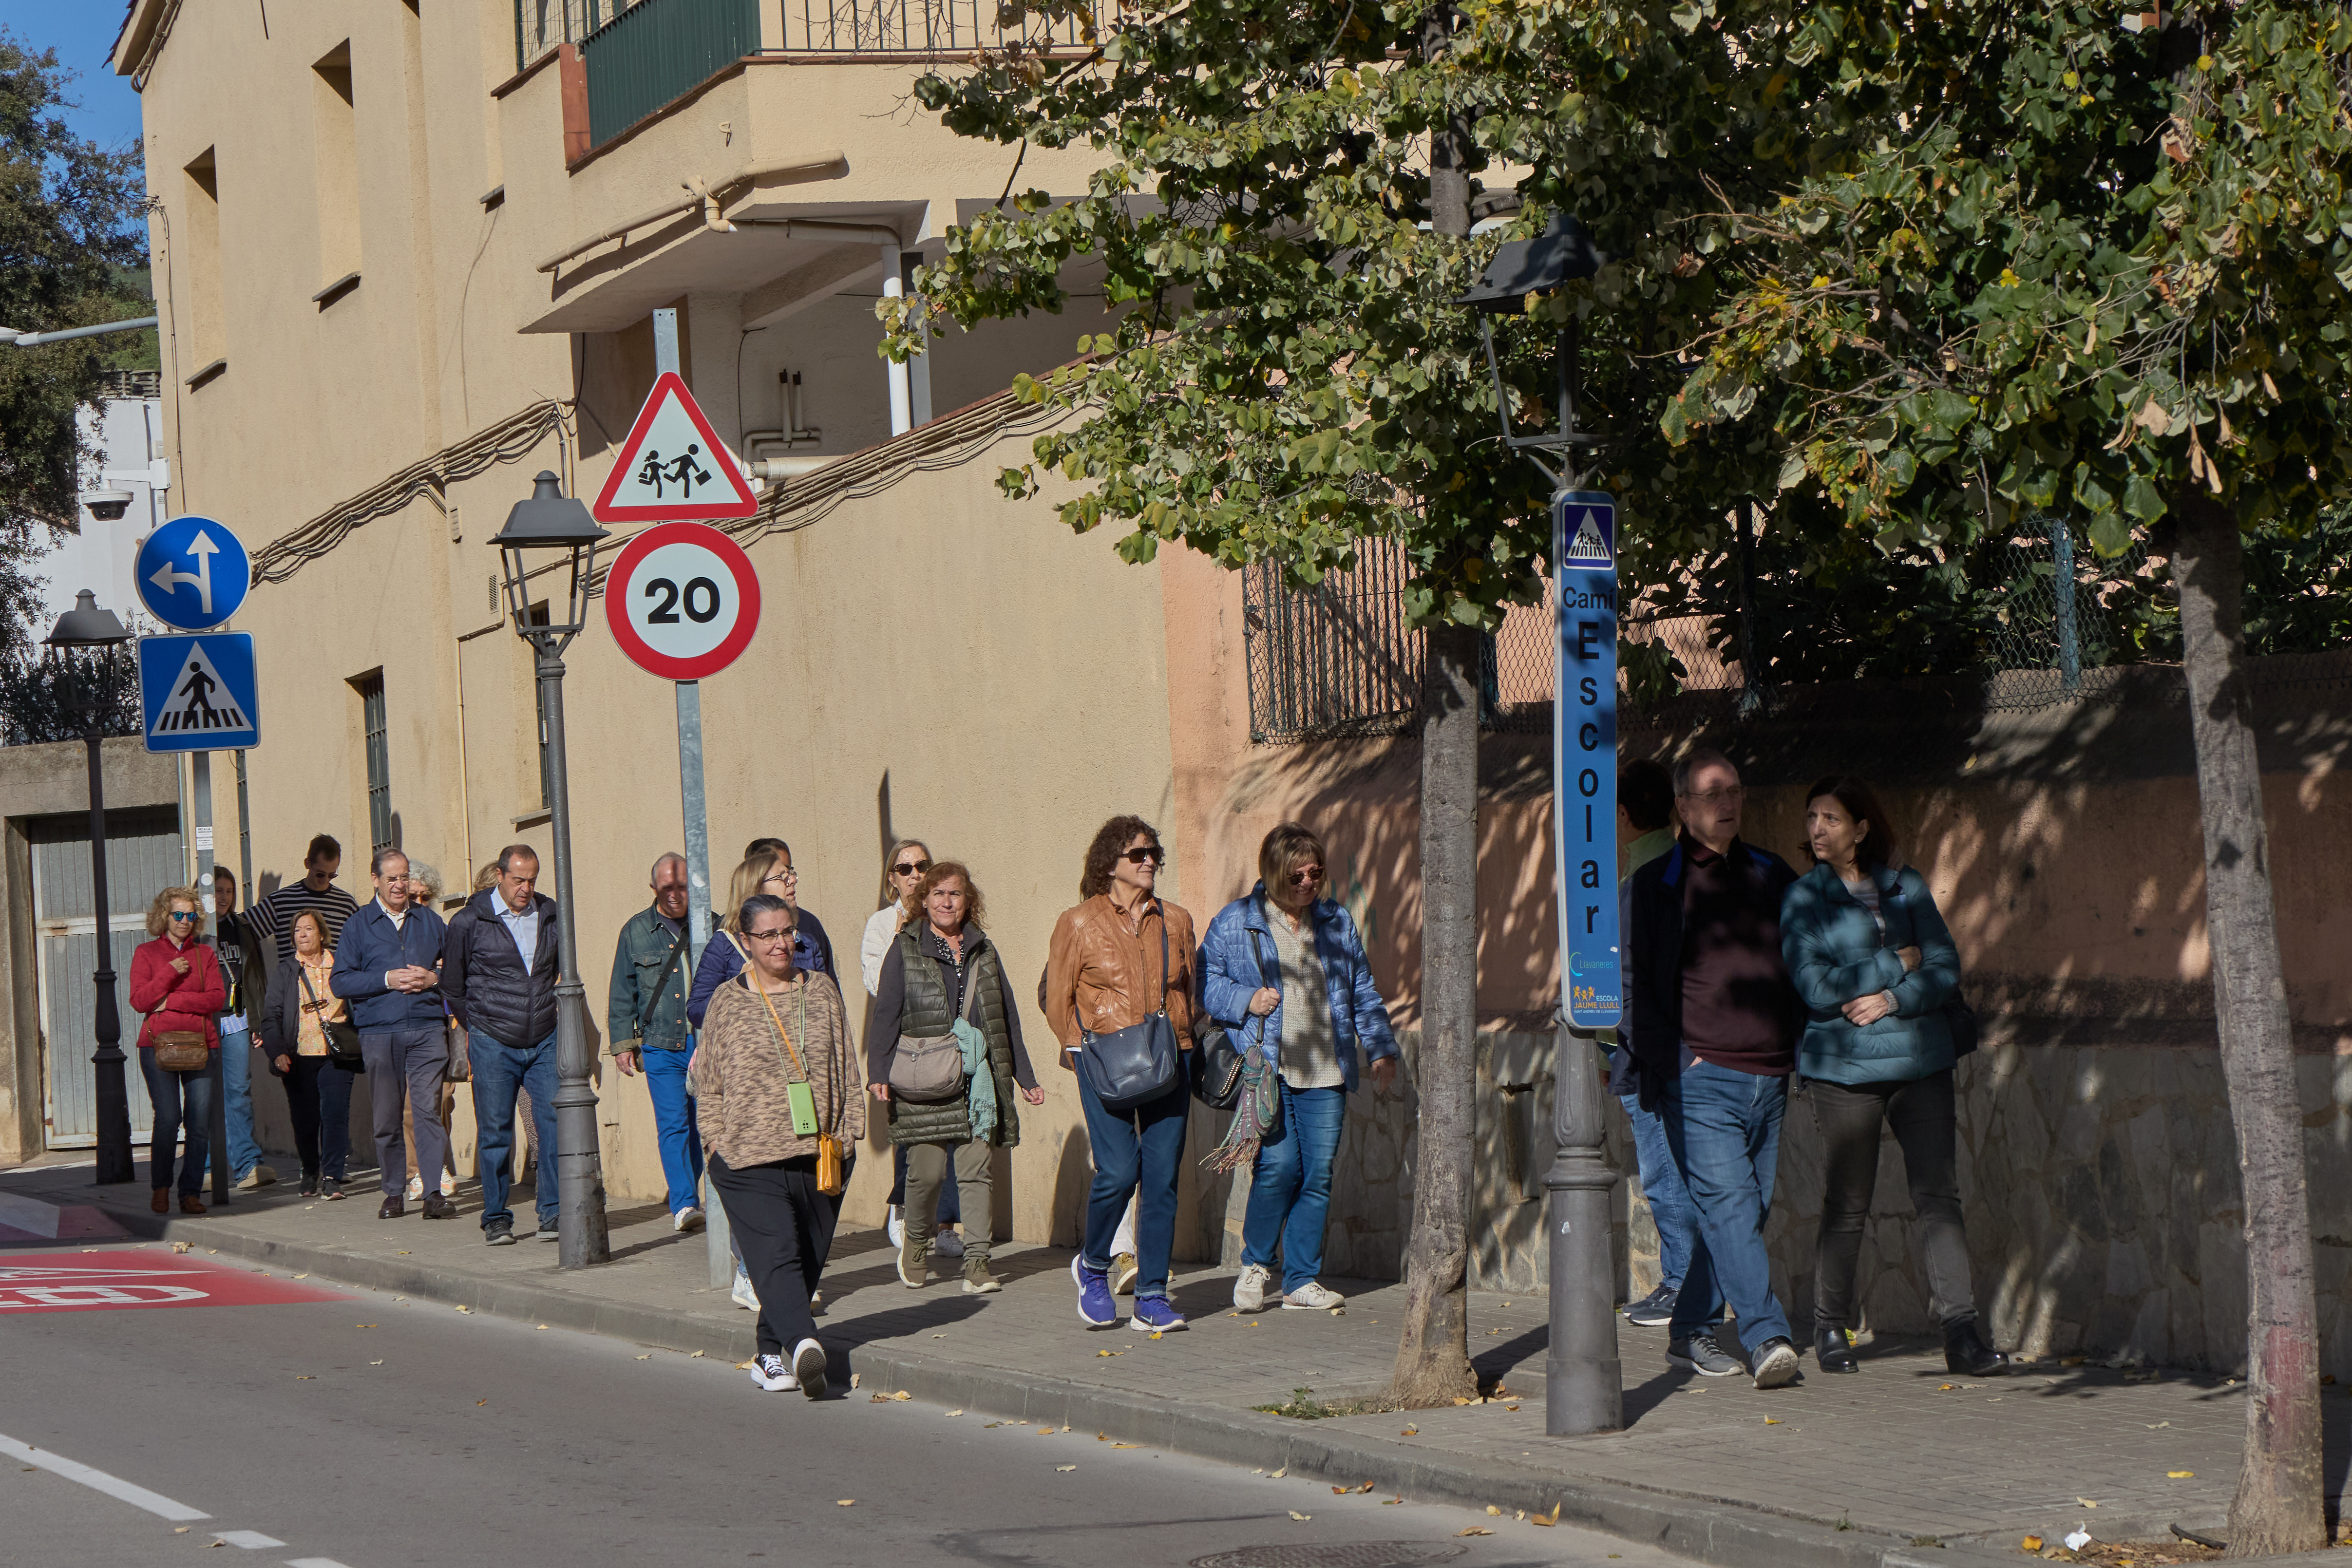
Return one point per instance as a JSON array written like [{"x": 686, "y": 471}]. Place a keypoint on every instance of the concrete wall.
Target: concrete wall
[{"x": 52, "y": 780}]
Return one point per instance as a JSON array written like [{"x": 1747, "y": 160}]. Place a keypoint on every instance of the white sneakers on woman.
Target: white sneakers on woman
[
  {"x": 1249, "y": 1291},
  {"x": 769, "y": 1372},
  {"x": 1312, "y": 1297}
]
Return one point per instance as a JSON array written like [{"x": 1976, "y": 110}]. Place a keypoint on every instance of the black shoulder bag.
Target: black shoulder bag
[
  {"x": 343, "y": 1035},
  {"x": 1134, "y": 1065},
  {"x": 1216, "y": 1060}
]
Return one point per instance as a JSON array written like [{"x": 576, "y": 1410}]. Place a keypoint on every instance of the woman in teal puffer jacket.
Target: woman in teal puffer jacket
[{"x": 1872, "y": 958}]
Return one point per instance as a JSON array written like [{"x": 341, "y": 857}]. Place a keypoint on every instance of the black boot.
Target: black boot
[
  {"x": 1966, "y": 1352},
  {"x": 1833, "y": 1352}
]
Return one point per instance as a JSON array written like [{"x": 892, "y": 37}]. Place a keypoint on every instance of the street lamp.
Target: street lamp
[
  {"x": 87, "y": 626},
  {"x": 1583, "y": 1378},
  {"x": 551, "y": 521}
]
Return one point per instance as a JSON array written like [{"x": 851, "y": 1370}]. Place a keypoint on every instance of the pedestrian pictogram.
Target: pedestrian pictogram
[
  {"x": 197, "y": 693},
  {"x": 192, "y": 573},
  {"x": 683, "y": 601},
  {"x": 1595, "y": 546},
  {"x": 672, "y": 468}
]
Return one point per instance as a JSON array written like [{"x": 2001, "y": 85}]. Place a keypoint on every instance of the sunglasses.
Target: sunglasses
[
  {"x": 1153, "y": 855},
  {"x": 183, "y": 915},
  {"x": 1306, "y": 876},
  {"x": 911, "y": 868}
]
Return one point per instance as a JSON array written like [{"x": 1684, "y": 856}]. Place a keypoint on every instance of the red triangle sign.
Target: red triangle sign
[{"x": 673, "y": 468}]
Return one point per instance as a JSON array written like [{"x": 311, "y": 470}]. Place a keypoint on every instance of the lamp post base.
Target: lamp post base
[{"x": 1583, "y": 1377}]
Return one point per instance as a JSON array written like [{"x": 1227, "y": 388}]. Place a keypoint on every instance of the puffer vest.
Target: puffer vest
[{"x": 927, "y": 1012}]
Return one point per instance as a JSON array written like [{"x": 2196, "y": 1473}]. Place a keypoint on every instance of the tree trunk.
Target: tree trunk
[
  {"x": 2278, "y": 1507},
  {"x": 1432, "y": 1362}
]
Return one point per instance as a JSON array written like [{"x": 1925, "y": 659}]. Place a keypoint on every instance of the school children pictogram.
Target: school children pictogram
[{"x": 673, "y": 467}]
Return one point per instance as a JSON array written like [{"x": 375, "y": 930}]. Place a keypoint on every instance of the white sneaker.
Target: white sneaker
[
  {"x": 686, "y": 1220},
  {"x": 1249, "y": 1291},
  {"x": 808, "y": 1365},
  {"x": 948, "y": 1244},
  {"x": 742, "y": 1294},
  {"x": 897, "y": 1225},
  {"x": 1312, "y": 1297},
  {"x": 415, "y": 1188},
  {"x": 769, "y": 1372},
  {"x": 448, "y": 1184}
]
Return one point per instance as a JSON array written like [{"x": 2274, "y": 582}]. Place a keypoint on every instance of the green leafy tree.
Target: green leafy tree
[
  {"x": 2106, "y": 268},
  {"x": 67, "y": 230}
]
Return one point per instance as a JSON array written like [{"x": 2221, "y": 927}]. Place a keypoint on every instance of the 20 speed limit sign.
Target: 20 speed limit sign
[{"x": 683, "y": 601}]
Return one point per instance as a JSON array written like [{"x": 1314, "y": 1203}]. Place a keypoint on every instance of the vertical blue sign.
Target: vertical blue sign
[{"x": 1584, "y": 756}]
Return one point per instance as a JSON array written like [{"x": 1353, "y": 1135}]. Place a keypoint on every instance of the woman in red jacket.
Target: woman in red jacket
[{"x": 175, "y": 982}]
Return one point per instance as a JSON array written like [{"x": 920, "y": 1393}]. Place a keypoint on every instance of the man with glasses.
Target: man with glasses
[
  {"x": 500, "y": 980},
  {"x": 1714, "y": 1024},
  {"x": 646, "y": 1021},
  {"x": 387, "y": 969},
  {"x": 316, "y": 892}
]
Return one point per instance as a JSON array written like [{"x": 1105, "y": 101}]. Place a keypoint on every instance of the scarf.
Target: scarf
[
  {"x": 980, "y": 1076},
  {"x": 1254, "y": 1118}
]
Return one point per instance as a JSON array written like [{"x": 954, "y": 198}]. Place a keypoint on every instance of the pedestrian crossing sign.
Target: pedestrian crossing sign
[
  {"x": 673, "y": 467},
  {"x": 197, "y": 694}
]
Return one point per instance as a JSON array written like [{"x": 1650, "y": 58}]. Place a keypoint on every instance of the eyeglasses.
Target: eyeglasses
[
  {"x": 1305, "y": 876},
  {"x": 1717, "y": 796},
  {"x": 781, "y": 935},
  {"x": 911, "y": 868},
  {"x": 1152, "y": 854},
  {"x": 183, "y": 915},
  {"x": 787, "y": 874}
]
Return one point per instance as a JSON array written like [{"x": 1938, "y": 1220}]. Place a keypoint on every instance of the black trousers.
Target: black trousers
[
  {"x": 783, "y": 1227},
  {"x": 319, "y": 1096},
  {"x": 1926, "y": 1125}
]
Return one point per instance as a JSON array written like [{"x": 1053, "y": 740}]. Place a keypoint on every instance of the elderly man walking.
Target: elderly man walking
[
  {"x": 645, "y": 1018},
  {"x": 1715, "y": 1028},
  {"x": 385, "y": 969},
  {"x": 502, "y": 980}
]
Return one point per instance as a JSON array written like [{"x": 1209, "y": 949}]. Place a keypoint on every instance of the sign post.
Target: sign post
[
  {"x": 683, "y": 601},
  {"x": 1583, "y": 1376}
]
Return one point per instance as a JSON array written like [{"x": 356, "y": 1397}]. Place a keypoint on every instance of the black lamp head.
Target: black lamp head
[
  {"x": 549, "y": 520},
  {"x": 87, "y": 626},
  {"x": 1559, "y": 255}
]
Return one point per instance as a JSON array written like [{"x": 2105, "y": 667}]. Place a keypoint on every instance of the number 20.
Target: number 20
[{"x": 665, "y": 612}]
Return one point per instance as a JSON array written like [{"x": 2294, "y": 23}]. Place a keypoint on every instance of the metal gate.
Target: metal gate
[{"x": 142, "y": 856}]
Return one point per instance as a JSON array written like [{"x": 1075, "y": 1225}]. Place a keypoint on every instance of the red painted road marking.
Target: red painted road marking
[{"x": 108, "y": 1281}]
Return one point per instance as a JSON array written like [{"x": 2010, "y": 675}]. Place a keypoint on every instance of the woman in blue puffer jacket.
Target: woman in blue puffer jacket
[
  {"x": 1284, "y": 970},
  {"x": 1871, "y": 956}
]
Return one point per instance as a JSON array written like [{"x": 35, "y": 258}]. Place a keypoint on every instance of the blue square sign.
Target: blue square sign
[{"x": 198, "y": 693}]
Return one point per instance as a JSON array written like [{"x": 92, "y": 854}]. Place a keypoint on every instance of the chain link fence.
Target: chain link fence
[{"x": 2039, "y": 618}]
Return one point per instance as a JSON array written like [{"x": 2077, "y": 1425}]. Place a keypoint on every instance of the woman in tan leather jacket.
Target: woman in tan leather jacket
[{"x": 1117, "y": 958}]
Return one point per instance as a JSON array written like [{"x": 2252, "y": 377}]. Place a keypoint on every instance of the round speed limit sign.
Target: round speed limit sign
[{"x": 683, "y": 601}]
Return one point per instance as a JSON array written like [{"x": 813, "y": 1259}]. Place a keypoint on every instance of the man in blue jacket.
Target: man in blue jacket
[
  {"x": 386, "y": 968},
  {"x": 501, "y": 978},
  {"x": 1714, "y": 1026}
]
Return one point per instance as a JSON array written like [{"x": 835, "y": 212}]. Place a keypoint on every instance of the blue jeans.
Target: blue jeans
[
  {"x": 1135, "y": 1155},
  {"x": 183, "y": 1097},
  {"x": 1662, "y": 1186},
  {"x": 236, "y": 1084},
  {"x": 681, "y": 1147},
  {"x": 1290, "y": 1189},
  {"x": 1724, "y": 1127},
  {"x": 499, "y": 1072}
]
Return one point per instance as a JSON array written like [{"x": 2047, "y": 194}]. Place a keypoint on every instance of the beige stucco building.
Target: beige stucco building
[{"x": 406, "y": 257}]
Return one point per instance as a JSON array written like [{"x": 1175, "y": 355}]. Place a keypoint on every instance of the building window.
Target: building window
[
  {"x": 379, "y": 763},
  {"x": 335, "y": 161},
  {"x": 201, "y": 246}
]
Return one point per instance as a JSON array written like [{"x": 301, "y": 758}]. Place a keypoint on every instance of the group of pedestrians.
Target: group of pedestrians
[{"x": 1741, "y": 974}]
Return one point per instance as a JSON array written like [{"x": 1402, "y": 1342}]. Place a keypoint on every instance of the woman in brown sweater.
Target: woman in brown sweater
[{"x": 770, "y": 1031}]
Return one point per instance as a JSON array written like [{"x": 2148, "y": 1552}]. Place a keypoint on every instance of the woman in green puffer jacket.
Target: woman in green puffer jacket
[
  {"x": 1871, "y": 956},
  {"x": 942, "y": 977}
]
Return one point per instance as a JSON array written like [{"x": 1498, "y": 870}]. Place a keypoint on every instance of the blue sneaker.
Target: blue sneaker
[
  {"x": 1096, "y": 1308},
  {"x": 1153, "y": 1313}
]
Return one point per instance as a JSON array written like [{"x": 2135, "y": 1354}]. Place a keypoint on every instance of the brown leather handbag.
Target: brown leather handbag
[{"x": 182, "y": 1051}]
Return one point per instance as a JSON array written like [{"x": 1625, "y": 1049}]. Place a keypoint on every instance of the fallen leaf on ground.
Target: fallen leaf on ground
[
  {"x": 2153, "y": 1425},
  {"x": 2086, "y": 1502},
  {"x": 304, "y": 1275},
  {"x": 992, "y": 1426},
  {"x": 1301, "y": 1518},
  {"x": 1155, "y": 1332},
  {"x": 1946, "y": 1387},
  {"x": 1540, "y": 1519},
  {"x": 691, "y": 1357},
  {"x": 1126, "y": 1445},
  {"x": 465, "y": 1309},
  {"x": 1060, "y": 1468},
  {"x": 744, "y": 1366},
  {"x": 1459, "y": 1400},
  {"x": 2030, "y": 1544},
  {"x": 542, "y": 1326},
  {"x": 1280, "y": 1473},
  {"x": 647, "y": 1357},
  {"x": 2180, "y": 1475},
  {"x": 1554, "y": 1517},
  {"x": 846, "y": 1502},
  {"x": 1772, "y": 1420},
  {"x": 902, "y": 1395},
  {"x": 1387, "y": 1500},
  {"x": 304, "y": 1377},
  {"x": 1410, "y": 1432},
  {"x": 181, "y": 1530},
  {"x": 853, "y": 1377},
  {"x": 1495, "y": 1512},
  {"x": 479, "y": 1403},
  {"x": 1103, "y": 1353},
  {"x": 955, "y": 1412},
  {"x": 183, "y": 1246},
  {"x": 1474, "y": 1529}
]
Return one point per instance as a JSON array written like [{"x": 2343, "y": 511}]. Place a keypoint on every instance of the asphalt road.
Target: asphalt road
[{"x": 368, "y": 1432}]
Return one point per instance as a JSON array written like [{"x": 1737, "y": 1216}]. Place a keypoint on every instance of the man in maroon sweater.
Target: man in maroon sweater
[{"x": 1714, "y": 1032}]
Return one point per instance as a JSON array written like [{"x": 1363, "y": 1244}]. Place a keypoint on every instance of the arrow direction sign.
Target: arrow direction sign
[
  {"x": 192, "y": 573},
  {"x": 197, "y": 694}
]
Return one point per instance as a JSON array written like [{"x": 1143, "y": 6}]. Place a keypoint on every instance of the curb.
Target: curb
[{"x": 1697, "y": 1527}]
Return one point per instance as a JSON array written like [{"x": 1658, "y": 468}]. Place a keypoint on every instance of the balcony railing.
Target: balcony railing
[
  {"x": 926, "y": 28},
  {"x": 657, "y": 51}
]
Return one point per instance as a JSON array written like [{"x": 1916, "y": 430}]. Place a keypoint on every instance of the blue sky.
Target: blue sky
[{"x": 82, "y": 32}]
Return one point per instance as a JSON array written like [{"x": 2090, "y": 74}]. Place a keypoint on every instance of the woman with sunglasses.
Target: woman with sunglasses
[
  {"x": 902, "y": 901},
  {"x": 773, "y": 1073},
  {"x": 1117, "y": 959},
  {"x": 176, "y": 982},
  {"x": 1284, "y": 970},
  {"x": 766, "y": 869}
]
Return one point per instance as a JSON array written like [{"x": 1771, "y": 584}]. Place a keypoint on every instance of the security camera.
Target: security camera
[{"x": 107, "y": 506}]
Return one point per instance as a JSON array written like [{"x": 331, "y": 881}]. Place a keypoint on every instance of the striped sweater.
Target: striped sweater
[{"x": 740, "y": 1072}]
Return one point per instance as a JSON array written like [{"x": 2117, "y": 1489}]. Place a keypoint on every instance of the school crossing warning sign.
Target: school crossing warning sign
[
  {"x": 197, "y": 693},
  {"x": 672, "y": 468}
]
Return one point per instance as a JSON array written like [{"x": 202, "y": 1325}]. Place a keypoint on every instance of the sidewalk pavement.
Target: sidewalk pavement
[{"x": 1903, "y": 1465}]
